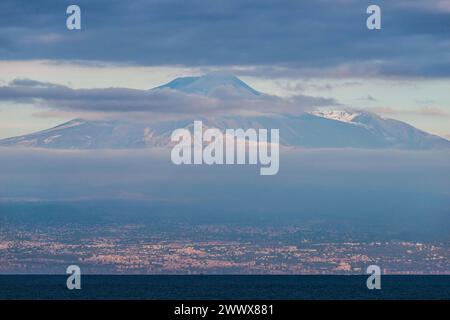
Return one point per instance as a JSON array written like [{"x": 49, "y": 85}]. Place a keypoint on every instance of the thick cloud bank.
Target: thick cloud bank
[
  {"x": 401, "y": 187},
  {"x": 156, "y": 101}
]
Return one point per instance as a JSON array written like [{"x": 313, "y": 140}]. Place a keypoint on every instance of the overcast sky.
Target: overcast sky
[{"x": 318, "y": 49}]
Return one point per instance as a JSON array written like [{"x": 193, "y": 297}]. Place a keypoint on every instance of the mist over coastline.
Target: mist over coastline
[{"x": 405, "y": 189}]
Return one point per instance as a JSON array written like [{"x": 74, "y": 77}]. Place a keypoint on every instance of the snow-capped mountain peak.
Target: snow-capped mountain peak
[
  {"x": 208, "y": 84},
  {"x": 338, "y": 115},
  {"x": 318, "y": 129}
]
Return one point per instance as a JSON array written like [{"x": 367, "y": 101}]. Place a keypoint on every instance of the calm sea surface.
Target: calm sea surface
[{"x": 223, "y": 287}]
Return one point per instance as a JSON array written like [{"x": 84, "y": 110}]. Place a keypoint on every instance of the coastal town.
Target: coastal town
[{"x": 208, "y": 249}]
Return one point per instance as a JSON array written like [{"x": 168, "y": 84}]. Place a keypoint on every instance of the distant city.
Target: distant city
[{"x": 207, "y": 249}]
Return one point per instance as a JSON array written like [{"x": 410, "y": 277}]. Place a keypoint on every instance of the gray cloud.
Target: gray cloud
[
  {"x": 433, "y": 6},
  {"x": 422, "y": 111},
  {"x": 316, "y": 38},
  {"x": 368, "y": 98},
  {"x": 33, "y": 83},
  {"x": 158, "y": 101}
]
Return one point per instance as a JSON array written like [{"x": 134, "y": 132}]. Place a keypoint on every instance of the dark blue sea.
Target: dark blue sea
[{"x": 162, "y": 287}]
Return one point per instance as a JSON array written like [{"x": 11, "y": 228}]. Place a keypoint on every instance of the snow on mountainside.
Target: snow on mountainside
[
  {"x": 317, "y": 129},
  {"x": 388, "y": 133},
  {"x": 338, "y": 115}
]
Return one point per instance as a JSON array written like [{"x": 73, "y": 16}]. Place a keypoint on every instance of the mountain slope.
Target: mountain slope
[
  {"x": 318, "y": 129},
  {"x": 306, "y": 130}
]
